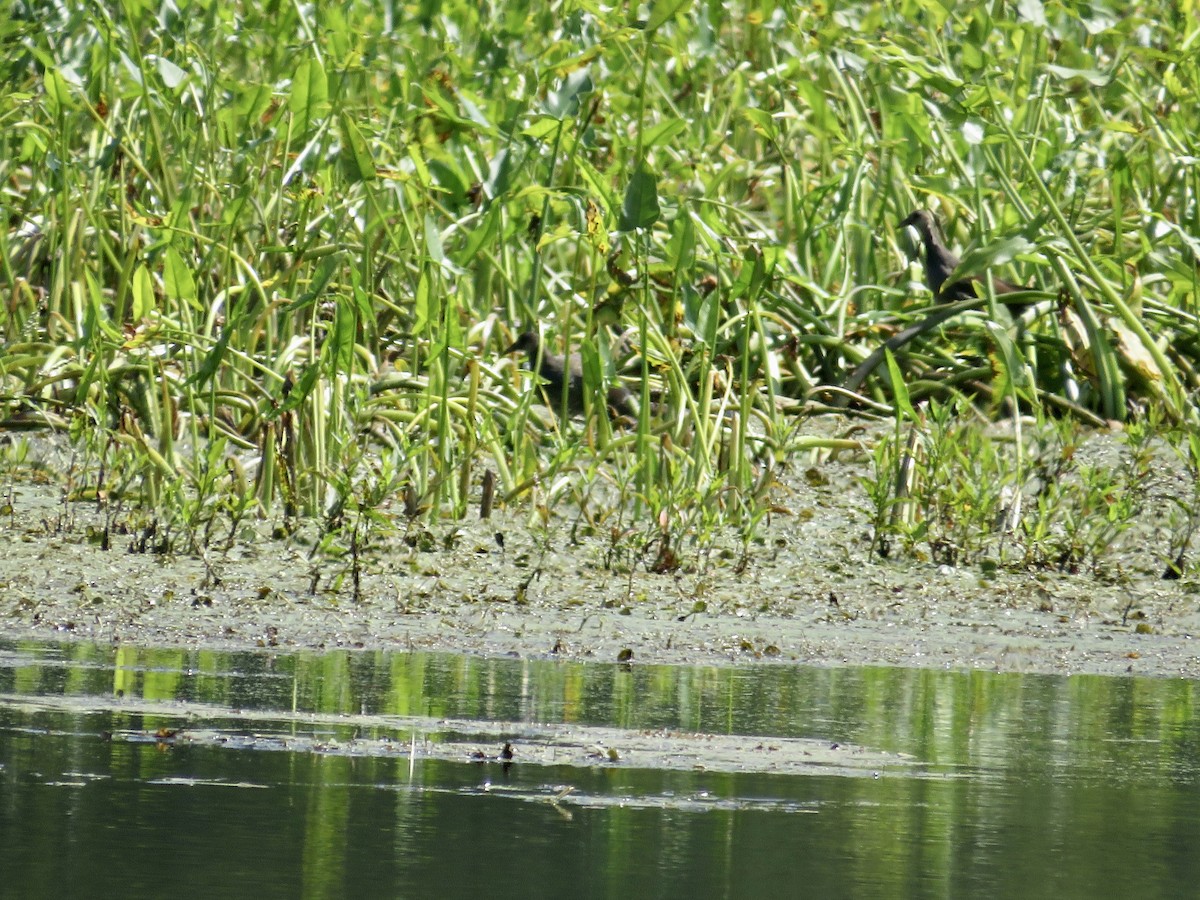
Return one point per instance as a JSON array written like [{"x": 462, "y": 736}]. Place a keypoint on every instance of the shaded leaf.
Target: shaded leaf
[
  {"x": 354, "y": 157},
  {"x": 640, "y": 208}
]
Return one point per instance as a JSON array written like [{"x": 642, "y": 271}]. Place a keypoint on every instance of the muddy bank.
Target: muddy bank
[{"x": 810, "y": 593}]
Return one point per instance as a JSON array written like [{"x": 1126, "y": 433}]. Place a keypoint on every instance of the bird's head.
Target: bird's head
[
  {"x": 920, "y": 219},
  {"x": 527, "y": 342}
]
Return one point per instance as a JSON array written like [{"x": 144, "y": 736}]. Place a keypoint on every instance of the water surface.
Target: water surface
[{"x": 128, "y": 772}]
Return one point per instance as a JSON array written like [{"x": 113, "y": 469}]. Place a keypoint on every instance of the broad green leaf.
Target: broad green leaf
[
  {"x": 997, "y": 253},
  {"x": 483, "y": 235},
  {"x": 58, "y": 92},
  {"x": 171, "y": 74},
  {"x": 355, "y": 156},
  {"x": 1014, "y": 367},
  {"x": 663, "y": 132},
  {"x": 143, "y": 293},
  {"x": 663, "y": 11},
  {"x": 500, "y": 173},
  {"x": 761, "y": 120},
  {"x": 542, "y": 128},
  {"x": 640, "y": 208},
  {"x": 309, "y": 99},
  {"x": 300, "y": 390},
  {"x": 1093, "y": 77},
  {"x": 433, "y": 241},
  {"x": 320, "y": 280},
  {"x": 1032, "y": 11},
  {"x": 177, "y": 277},
  {"x": 701, "y": 314},
  {"x": 565, "y": 101}
]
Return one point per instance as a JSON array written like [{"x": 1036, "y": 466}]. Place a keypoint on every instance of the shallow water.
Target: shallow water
[{"x": 129, "y": 771}]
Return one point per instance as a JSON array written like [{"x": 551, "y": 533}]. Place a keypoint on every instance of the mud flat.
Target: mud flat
[{"x": 810, "y": 593}]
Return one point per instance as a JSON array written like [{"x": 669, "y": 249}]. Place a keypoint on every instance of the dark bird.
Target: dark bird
[
  {"x": 554, "y": 370},
  {"x": 940, "y": 262}
]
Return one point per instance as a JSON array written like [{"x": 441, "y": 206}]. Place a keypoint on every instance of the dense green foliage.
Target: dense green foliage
[{"x": 270, "y": 255}]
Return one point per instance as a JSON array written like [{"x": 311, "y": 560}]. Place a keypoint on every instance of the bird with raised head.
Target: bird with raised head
[
  {"x": 555, "y": 370},
  {"x": 940, "y": 262}
]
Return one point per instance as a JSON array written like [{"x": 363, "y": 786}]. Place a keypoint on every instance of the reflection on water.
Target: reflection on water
[{"x": 141, "y": 777}]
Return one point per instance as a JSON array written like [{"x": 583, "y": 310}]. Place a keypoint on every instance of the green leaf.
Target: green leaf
[
  {"x": 320, "y": 280},
  {"x": 1015, "y": 369},
  {"x": 421, "y": 305},
  {"x": 1032, "y": 11},
  {"x": 339, "y": 345},
  {"x": 997, "y": 253},
  {"x": 300, "y": 390},
  {"x": 177, "y": 277},
  {"x": 761, "y": 120},
  {"x": 899, "y": 388},
  {"x": 565, "y": 101},
  {"x": 640, "y": 208},
  {"x": 500, "y": 173},
  {"x": 1093, "y": 77},
  {"x": 171, "y": 74},
  {"x": 58, "y": 91},
  {"x": 355, "y": 156},
  {"x": 143, "y": 293},
  {"x": 483, "y": 234},
  {"x": 665, "y": 10},
  {"x": 309, "y": 99},
  {"x": 542, "y": 128},
  {"x": 700, "y": 314},
  {"x": 663, "y": 132},
  {"x": 433, "y": 241},
  {"x": 212, "y": 360}
]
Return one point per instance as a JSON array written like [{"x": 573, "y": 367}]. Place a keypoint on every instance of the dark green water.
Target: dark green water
[{"x": 1024, "y": 786}]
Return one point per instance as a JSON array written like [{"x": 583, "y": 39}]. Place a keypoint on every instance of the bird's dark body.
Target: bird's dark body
[
  {"x": 555, "y": 369},
  {"x": 940, "y": 262}
]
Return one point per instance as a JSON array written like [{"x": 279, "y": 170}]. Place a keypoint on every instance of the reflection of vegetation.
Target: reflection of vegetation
[
  {"x": 1013, "y": 765},
  {"x": 248, "y": 252}
]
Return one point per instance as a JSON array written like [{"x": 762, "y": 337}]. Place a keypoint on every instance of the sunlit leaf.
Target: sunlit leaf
[
  {"x": 664, "y": 132},
  {"x": 1091, "y": 76},
  {"x": 178, "y": 283},
  {"x": 309, "y": 97},
  {"x": 663, "y": 11},
  {"x": 421, "y": 309},
  {"x": 997, "y": 253},
  {"x": 58, "y": 91},
  {"x": 565, "y": 101},
  {"x": 142, "y": 290},
  {"x": 899, "y": 389},
  {"x": 1032, "y": 11},
  {"x": 171, "y": 74}
]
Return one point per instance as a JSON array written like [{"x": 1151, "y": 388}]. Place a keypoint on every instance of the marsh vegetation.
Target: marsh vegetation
[{"x": 262, "y": 262}]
